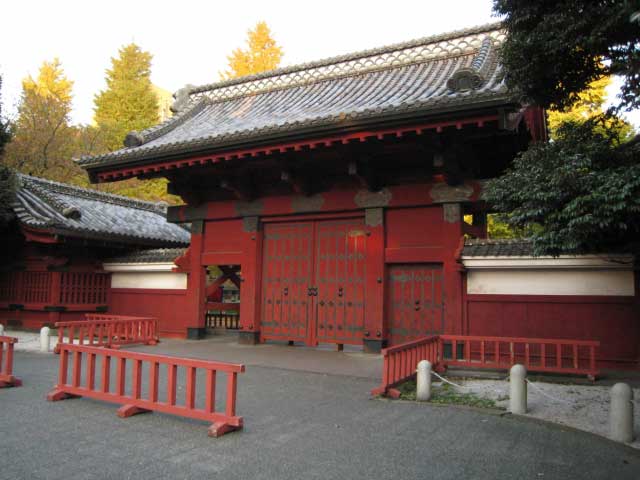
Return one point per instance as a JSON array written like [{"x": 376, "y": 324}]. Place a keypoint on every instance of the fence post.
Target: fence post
[
  {"x": 423, "y": 381},
  {"x": 518, "y": 389},
  {"x": 621, "y": 413},
  {"x": 45, "y": 340}
]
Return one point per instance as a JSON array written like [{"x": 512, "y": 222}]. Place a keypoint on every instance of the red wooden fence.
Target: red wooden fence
[
  {"x": 577, "y": 357},
  {"x": 98, "y": 385},
  {"x": 7, "y": 379},
  {"x": 74, "y": 288},
  {"x": 536, "y": 354},
  {"x": 401, "y": 361},
  {"x": 109, "y": 330}
]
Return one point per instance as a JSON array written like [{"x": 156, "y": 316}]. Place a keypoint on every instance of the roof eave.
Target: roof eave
[{"x": 182, "y": 151}]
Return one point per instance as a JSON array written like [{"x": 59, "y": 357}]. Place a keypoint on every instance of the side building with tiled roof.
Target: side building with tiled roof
[{"x": 54, "y": 248}]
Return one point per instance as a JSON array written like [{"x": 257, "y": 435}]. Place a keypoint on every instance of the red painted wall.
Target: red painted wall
[
  {"x": 168, "y": 306},
  {"x": 611, "y": 320}
]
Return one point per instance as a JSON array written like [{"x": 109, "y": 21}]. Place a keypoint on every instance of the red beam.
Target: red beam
[{"x": 361, "y": 136}]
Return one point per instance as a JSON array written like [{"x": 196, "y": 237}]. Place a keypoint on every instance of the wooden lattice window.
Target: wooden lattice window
[
  {"x": 83, "y": 288},
  {"x": 25, "y": 287}
]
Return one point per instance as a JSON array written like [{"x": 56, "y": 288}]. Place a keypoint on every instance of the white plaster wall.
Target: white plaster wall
[
  {"x": 550, "y": 282},
  {"x": 150, "y": 280}
]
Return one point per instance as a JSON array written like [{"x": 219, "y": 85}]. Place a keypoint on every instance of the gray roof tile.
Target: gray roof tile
[
  {"x": 80, "y": 212},
  {"x": 150, "y": 255},
  {"x": 440, "y": 73},
  {"x": 497, "y": 248}
]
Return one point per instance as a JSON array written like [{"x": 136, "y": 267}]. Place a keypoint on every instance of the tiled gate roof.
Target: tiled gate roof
[{"x": 443, "y": 73}]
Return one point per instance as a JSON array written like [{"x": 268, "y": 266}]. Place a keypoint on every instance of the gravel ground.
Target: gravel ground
[{"x": 585, "y": 407}]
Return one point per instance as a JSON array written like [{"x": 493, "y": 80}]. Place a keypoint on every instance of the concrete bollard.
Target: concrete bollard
[
  {"x": 621, "y": 413},
  {"x": 423, "y": 381},
  {"x": 518, "y": 389},
  {"x": 45, "y": 339},
  {"x": 1, "y": 330}
]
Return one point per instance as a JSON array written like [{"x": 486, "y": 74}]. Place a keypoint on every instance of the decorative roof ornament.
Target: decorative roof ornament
[
  {"x": 133, "y": 139},
  {"x": 473, "y": 77}
]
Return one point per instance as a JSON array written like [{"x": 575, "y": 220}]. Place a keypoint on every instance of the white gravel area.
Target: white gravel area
[
  {"x": 585, "y": 407},
  {"x": 30, "y": 341}
]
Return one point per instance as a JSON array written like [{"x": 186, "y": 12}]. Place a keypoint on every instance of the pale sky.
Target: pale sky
[{"x": 190, "y": 39}]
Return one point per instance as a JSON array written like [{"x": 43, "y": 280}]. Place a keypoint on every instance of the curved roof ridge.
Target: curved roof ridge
[
  {"x": 73, "y": 190},
  {"x": 135, "y": 139},
  {"x": 347, "y": 57}
]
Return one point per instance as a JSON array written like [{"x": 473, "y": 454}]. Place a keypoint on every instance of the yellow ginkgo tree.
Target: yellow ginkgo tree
[
  {"x": 43, "y": 140},
  {"x": 262, "y": 54}
]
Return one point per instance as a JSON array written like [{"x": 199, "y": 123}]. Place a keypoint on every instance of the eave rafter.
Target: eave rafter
[{"x": 165, "y": 168}]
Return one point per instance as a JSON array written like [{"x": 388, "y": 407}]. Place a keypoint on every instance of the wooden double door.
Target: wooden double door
[
  {"x": 415, "y": 302},
  {"x": 313, "y": 280}
]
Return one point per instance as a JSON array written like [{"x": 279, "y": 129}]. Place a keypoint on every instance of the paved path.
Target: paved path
[{"x": 299, "y": 425}]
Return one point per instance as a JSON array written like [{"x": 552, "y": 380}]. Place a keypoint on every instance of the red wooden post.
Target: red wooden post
[
  {"x": 8, "y": 366},
  {"x": 154, "y": 370},
  {"x": 190, "y": 394},
  {"x": 106, "y": 373},
  {"x": 91, "y": 371},
  {"x": 172, "y": 371},
  {"x": 76, "y": 370},
  {"x": 232, "y": 384},
  {"x": 120, "y": 375},
  {"x": 137, "y": 378},
  {"x": 210, "y": 394}
]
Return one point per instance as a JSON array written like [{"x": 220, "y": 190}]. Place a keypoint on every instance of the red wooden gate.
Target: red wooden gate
[
  {"x": 339, "y": 274},
  {"x": 286, "y": 281},
  {"x": 313, "y": 281},
  {"x": 415, "y": 302}
]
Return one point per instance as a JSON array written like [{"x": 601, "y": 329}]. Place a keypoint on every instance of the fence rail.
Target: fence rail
[
  {"x": 145, "y": 370},
  {"x": 576, "y": 357},
  {"x": 7, "y": 379},
  {"x": 223, "y": 315},
  {"x": 536, "y": 354},
  {"x": 400, "y": 362},
  {"x": 106, "y": 330}
]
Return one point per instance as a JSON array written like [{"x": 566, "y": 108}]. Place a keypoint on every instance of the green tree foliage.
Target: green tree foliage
[
  {"x": 7, "y": 192},
  {"x": 129, "y": 101},
  {"x": 556, "y": 48},
  {"x": 43, "y": 140},
  {"x": 262, "y": 54},
  {"x": 580, "y": 193}
]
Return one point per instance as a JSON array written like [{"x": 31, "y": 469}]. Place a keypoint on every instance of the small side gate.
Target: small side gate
[
  {"x": 415, "y": 302},
  {"x": 313, "y": 281}
]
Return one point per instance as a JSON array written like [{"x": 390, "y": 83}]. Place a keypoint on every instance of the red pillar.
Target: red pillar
[
  {"x": 196, "y": 292},
  {"x": 375, "y": 336},
  {"x": 250, "y": 294},
  {"x": 452, "y": 229}
]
